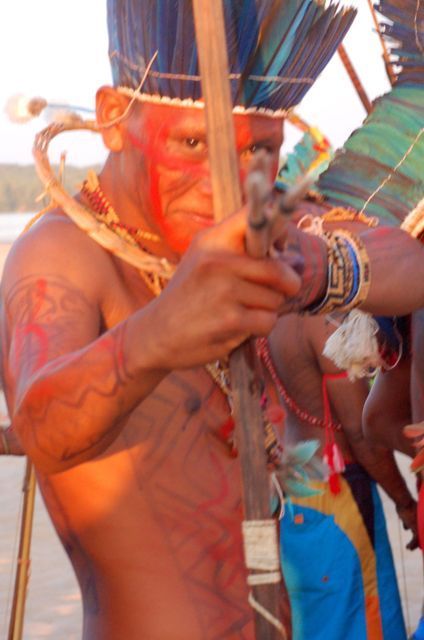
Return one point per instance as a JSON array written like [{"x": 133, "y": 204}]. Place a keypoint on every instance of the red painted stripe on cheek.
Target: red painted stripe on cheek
[{"x": 156, "y": 152}]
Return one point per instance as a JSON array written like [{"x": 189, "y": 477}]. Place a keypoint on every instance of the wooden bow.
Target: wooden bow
[{"x": 246, "y": 392}]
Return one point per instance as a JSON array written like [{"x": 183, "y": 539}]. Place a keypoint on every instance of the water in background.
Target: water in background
[{"x": 12, "y": 224}]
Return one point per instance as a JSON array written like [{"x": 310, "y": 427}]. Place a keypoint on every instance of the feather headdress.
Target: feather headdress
[
  {"x": 276, "y": 48},
  {"x": 380, "y": 168}
]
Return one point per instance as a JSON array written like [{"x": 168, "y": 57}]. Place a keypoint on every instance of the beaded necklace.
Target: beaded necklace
[
  {"x": 264, "y": 353},
  {"x": 332, "y": 454},
  {"x": 92, "y": 191},
  {"x": 106, "y": 214}
]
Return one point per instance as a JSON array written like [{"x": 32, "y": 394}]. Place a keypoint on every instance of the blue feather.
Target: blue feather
[
  {"x": 403, "y": 29},
  {"x": 264, "y": 37},
  {"x": 166, "y": 36},
  {"x": 185, "y": 56},
  {"x": 302, "y": 452},
  {"x": 300, "y": 490}
]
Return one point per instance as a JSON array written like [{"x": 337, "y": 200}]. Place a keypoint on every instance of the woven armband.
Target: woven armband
[{"x": 349, "y": 274}]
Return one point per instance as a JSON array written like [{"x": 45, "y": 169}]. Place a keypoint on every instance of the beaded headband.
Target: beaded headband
[{"x": 276, "y": 50}]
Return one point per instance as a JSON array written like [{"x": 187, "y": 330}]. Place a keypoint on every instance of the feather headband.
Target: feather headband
[{"x": 276, "y": 49}]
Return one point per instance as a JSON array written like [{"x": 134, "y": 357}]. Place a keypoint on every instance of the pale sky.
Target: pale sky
[{"x": 58, "y": 49}]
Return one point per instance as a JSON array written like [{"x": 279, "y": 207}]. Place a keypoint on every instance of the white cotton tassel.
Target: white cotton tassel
[
  {"x": 353, "y": 347},
  {"x": 21, "y": 109}
]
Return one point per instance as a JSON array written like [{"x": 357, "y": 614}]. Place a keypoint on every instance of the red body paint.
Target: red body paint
[
  {"x": 228, "y": 549},
  {"x": 30, "y": 338}
]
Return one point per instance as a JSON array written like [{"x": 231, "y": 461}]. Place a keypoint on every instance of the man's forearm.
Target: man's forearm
[
  {"x": 382, "y": 467},
  {"x": 397, "y": 272},
  {"x": 74, "y": 406},
  {"x": 396, "y": 262}
]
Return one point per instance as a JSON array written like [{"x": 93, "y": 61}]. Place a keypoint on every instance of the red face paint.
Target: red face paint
[{"x": 172, "y": 143}]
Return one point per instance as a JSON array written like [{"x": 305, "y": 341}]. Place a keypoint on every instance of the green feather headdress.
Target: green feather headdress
[
  {"x": 276, "y": 49},
  {"x": 380, "y": 168}
]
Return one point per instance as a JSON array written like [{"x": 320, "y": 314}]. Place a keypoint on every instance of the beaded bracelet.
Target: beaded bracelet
[{"x": 349, "y": 275}]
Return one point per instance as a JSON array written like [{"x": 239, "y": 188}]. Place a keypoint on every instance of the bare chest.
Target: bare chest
[{"x": 177, "y": 431}]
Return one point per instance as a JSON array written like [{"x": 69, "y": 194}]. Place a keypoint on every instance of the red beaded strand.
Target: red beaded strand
[{"x": 263, "y": 352}]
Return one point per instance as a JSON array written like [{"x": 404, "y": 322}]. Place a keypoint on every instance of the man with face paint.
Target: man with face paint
[
  {"x": 108, "y": 380},
  {"x": 168, "y": 174}
]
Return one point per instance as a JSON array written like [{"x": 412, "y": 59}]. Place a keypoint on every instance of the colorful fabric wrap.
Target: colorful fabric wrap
[
  {"x": 276, "y": 49},
  {"x": 338, "y": 566}
]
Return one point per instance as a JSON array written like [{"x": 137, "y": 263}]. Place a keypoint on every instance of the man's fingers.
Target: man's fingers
[
  {"x": 254, "y": 296},
  {"x": 226, "y": 235},
  {"x": 259, "y": 323},
  {"x": 414, "y": 430},
  {"x": 413, "y": 543},
  {"x": 270, "y": 272},
  {"x": 280, "y": 230},
  {"x": 241, "y": 325}
]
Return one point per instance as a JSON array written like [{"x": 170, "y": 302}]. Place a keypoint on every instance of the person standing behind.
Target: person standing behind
[
  {"x": 336, "y": 556},
  {"x": 394, "y": 402}
]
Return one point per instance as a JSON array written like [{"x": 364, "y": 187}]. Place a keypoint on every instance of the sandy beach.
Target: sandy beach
[{"x": 54, "y": 606}]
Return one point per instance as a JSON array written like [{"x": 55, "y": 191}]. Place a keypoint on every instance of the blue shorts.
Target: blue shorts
[{"x": 338, "y": 565}]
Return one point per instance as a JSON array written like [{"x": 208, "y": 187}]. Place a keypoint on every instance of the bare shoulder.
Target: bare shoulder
[
  {"x": 52, "y": 295},
  {"x": 56, "y": 248}
]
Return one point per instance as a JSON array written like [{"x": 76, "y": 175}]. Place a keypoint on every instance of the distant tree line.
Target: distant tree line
[{"x": 20, "y": 186}]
